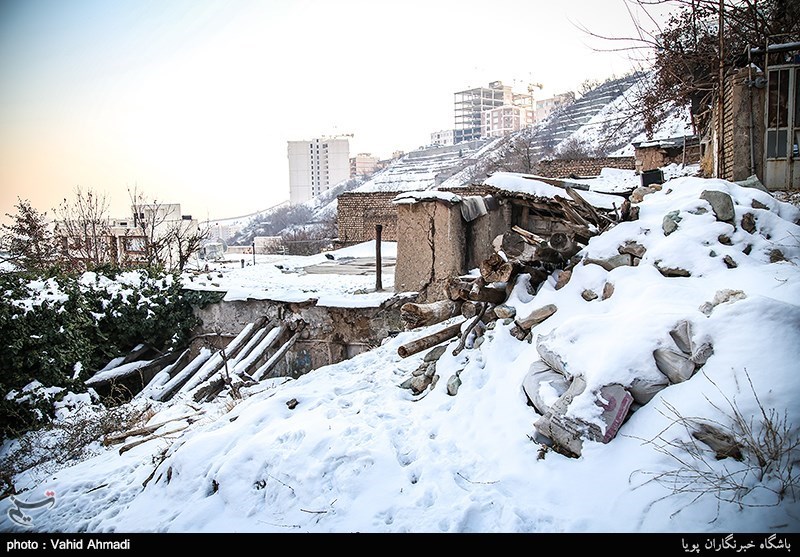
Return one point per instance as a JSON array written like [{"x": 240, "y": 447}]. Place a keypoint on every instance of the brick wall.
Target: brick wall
[
  {"x": 359, "y": 212},
  {"x": 563, "y": 168}
]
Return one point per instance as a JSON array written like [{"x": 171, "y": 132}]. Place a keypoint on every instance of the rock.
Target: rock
[
  {"x": 722, "y": 443},
  {"x": 292, "y": 404},
  {"x": 725, "y": 240},
  {"x": 747, "y": 249},
  {"x": 503, "y": 311},
  {"x": 633, "y": 248},
  {"x": 670, "y": 222},
  {"x": 611, "y": 263},
  {"x": 563, "y": 279},
  {"x": 638, "y": 194},
  {"x": 406, "y": 384},
  {"x": 634, "y": 215},
  {"x": 749, "y": 222},
  {"x": 419, "y": 371},
  {"x": 673, "y": 271},
  {"x": 430, "y": 369},
  {"x": 434, "y": 380},
  {"x": 752, "y": 182},
  {"x": 721, "y": 297},
  {"x": 756, "y": 204},
  {"x": 453, "y": 384},
  {"x": 721, "y": 203},
  {"x": 677, "y": 367},
  {"x": 776, "y": 255},
  {"x": 540, "y": 381},
  {"x": 588, "y": 295},
  {"x": 608, "y": 290},
  {"x": 729, "y": 262},
  {"x": 435, "y": 353},
  {"x": 419, "y": 384}
]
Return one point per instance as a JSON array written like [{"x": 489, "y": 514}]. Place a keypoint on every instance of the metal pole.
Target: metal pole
[
  {"x": 254, "y": 252},
  {"x": 378, "y": 283}
]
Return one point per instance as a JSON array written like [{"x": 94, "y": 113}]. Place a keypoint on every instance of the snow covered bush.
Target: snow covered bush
[{"x": 59, "y": 329}]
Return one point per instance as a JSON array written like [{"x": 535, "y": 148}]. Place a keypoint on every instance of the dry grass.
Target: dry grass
[{"x": 733, "y": 457}]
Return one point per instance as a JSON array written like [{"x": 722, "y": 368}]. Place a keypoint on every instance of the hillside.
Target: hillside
[{"x": 601, "y": 122}]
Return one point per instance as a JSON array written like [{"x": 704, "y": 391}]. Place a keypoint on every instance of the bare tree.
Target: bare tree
[
  {"x": 700, "y": 42},
  {"x": 29, "y": 242},
  {"x": 166, "y": 238},
  {"x": 83, "y": 228}
]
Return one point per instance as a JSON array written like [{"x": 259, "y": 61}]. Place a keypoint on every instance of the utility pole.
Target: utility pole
[{"x": 378, "y": 265}]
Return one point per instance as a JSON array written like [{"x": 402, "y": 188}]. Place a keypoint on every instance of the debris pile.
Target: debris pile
[{"x": 680, "y": 234}]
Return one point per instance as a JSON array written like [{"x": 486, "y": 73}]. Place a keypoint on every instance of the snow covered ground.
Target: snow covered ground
[
  {"x": 344, "y": 277},
  {"x": 357, "y": 453}
]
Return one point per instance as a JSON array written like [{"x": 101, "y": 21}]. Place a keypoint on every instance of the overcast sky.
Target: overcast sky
[{"x": 193, "y": 101}]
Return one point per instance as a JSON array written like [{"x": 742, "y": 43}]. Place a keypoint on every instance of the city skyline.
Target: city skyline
[{"x": 194, "y": 102}]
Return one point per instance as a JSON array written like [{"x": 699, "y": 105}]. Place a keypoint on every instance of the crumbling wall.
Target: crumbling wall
[
  {"x": 482, "y": 231},
  {"x": 740, "y": 103},
  {"x": 328, "y": 334},
  {"x": 359, "y": 212},
  {"x": 431, "y": 248}
]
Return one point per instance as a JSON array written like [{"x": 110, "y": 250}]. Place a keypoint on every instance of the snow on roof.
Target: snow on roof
[
  {"x": 529, "y": 185},
  {"x": 411, "y": 197}
]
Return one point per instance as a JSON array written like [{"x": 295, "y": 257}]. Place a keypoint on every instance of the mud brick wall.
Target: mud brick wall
[
  {"x": 359, "y": 212},
  {"x": 563, "y": 168}
]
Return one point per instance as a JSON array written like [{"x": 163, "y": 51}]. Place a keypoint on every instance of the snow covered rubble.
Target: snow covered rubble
[
  {"x": 587, "y": 375},
  {"x": 343, "y": 449}
]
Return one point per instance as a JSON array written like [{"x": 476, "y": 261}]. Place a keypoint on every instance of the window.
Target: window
[{"x": 778, "y": 114}]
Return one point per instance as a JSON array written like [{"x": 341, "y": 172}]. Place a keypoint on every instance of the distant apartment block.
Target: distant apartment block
[
  {"x": 125, "y": 240},
  {"x": 316, "y": 165},
  {"x": 363, "y": 164},
  {"x": 469, "y": 106},
  {"x": 443, "y": 138},
  {"x": 544, "y": 107},
  {"x": 500, "y": 121}
]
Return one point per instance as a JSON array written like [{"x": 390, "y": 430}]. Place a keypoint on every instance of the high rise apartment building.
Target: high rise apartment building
[
  {"x": 471, "y": 104},
  {"x": 316, "y": 165}
]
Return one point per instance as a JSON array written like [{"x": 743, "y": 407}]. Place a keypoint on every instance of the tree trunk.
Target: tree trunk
[
  {"x": 496, "y": 269},
  {"x": 421, "y": 315},
  {"x": 429, "y": 341}
]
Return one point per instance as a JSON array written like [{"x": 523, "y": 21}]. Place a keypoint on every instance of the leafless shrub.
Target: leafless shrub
[
  {"x": 732, "y": 457},
  {"x": 68, "y": 440}
]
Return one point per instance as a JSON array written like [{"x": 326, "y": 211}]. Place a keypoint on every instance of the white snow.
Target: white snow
[
  {"x": 290, "y": 278},
  {"x": 360, "y": 454},
  {"x": 520, "y": 183}
]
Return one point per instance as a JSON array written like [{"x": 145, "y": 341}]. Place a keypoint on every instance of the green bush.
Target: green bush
[{"x": 60, "y": 329}]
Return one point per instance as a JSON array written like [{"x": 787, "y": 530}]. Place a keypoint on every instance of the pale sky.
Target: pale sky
[{"x": 193, "y": 101}]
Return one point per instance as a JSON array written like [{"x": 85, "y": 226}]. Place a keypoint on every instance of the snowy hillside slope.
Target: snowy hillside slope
[{"x": 346, "y": 449}]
